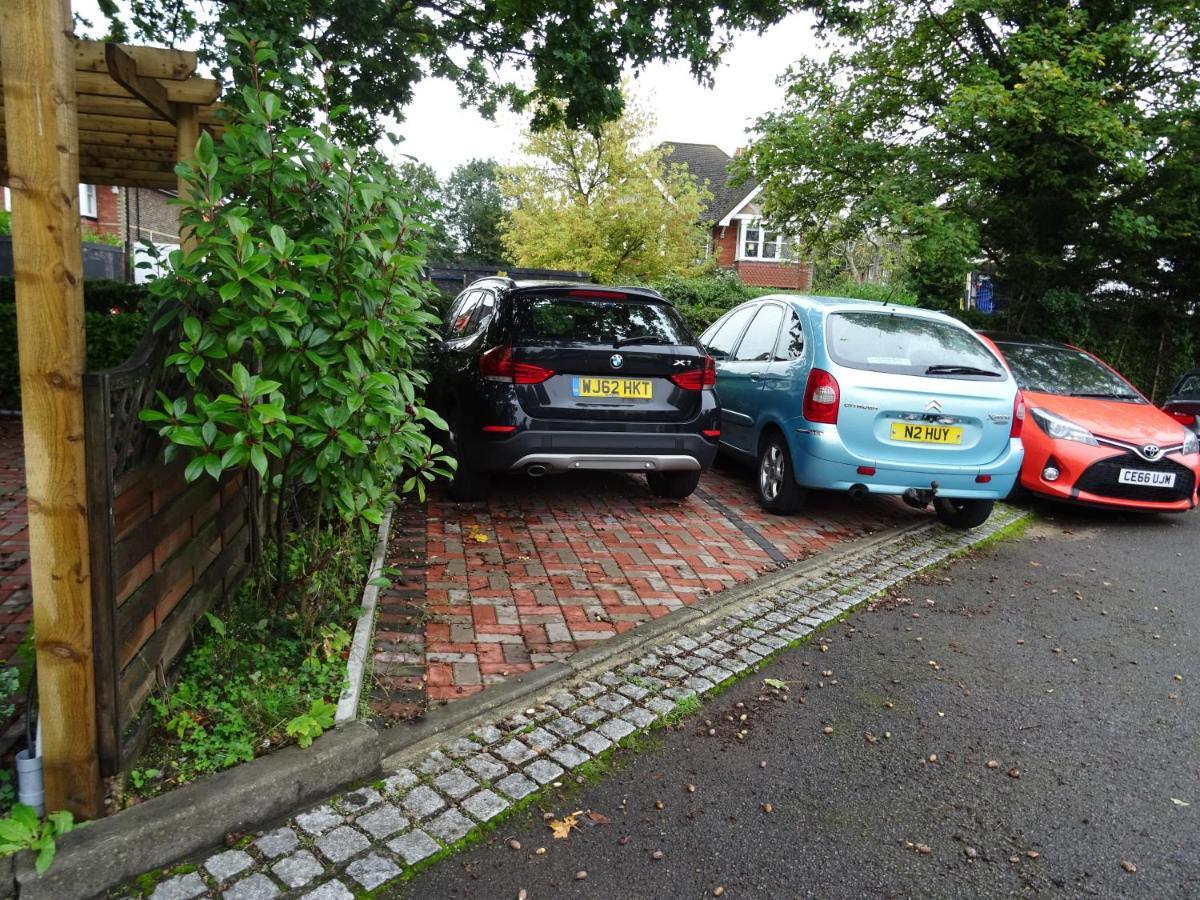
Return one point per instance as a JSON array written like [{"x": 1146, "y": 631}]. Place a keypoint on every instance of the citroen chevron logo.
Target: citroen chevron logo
[{"x": 933, "y": 406}]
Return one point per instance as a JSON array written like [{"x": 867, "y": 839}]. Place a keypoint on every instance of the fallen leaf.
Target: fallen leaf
[
  {"x": 514, "y": 844},
  {"x": 1179, "y": 802},
  {"x": 1128, "y": 866},
  {"x": 540, "y": 851},
  {"x": 658, "y": 804},
  {"x": 923, "y": 849},
  {"x": 657, "y": 854},
  {"x": 719, "y": 890},
  {"x": 581, "y": 875},
  {"x": 561, "y": 828},
  {"x": 775, "y": 683},
  {"x": 522, "y": 894},
  {"x": 992, "y": 764},
  {"x": 768, "y": 808},
  {"x": 828, "y": 729},
  {"x": 931, "y": 758},
  {"x": 691, "y": 789},
  {"x": 1032, "y": 854},
  {"x": 598, "y": 818}
]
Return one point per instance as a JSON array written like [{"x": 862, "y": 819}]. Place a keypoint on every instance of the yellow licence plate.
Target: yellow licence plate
[
  {"x": 927, "y": 434},
  {"x": 621, "y": 388}
]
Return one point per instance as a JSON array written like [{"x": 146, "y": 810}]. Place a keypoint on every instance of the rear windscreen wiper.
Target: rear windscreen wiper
[
  {"x": 641, "y": 339},
  {"x": 1105, "y": 395},
  {"x": 962, "y": 370}
]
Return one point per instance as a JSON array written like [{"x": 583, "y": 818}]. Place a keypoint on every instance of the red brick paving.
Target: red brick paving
[
  {"x": 16, "y": 599},
  {"x": 549, "y": 566}
]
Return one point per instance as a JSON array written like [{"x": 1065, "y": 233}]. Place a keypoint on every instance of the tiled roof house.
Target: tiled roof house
[{"x": 734, "y": 216}]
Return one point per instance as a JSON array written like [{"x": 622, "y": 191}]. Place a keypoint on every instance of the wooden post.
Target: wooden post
[
  {"x": 38, "y": 56},
  {"x": 187, "y": 131}
]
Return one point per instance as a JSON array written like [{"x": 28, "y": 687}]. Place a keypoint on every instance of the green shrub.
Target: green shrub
[
  {"x": 884, "y": 293},
  {"x": 702, "y": 299},
  {"x": 100, "y": 295},
  {"x": 110, "y": 341},
  {"x": 254, "y": 680}
]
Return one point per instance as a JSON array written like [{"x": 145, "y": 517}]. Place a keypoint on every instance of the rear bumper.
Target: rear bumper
[
  {"x": 621, "y": 451},
  {"x": 821, "y": 461}
]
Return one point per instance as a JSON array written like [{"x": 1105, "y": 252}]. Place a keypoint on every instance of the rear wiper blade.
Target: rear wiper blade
[
  {"x": 962, "y": 370},
  {"x": 1105, "y": 395},
  {"x": 641, "y": 339}
]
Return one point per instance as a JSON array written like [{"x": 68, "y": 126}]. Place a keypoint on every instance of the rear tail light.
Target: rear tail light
[
  {"x": 1183, "y": 418},
  {"x": 983, "y": 479},
  {"x": 499, "y": 429},
  {"x": 711, "y": 433},
  {"x": 697, "y": 379},
  {"x": 1018, "y": 418},
  {"x": 497, "y": 365},
  {"x": 822, "y": 397}
]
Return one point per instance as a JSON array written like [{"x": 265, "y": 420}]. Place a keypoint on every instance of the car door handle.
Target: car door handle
[{"x": 756, "y": 376}]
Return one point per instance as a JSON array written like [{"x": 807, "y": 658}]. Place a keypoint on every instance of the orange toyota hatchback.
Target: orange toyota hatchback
[{"x": 1091, "y": 437}]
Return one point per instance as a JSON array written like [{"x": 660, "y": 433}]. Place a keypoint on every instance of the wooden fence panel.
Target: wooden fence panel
[{"x": 162, "y": 550}]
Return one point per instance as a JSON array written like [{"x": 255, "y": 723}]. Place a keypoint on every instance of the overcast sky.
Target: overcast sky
[{"x": 438, "y": 131}]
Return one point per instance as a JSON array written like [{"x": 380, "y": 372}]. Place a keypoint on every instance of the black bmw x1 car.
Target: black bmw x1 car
[{"x": 542, "y": 377}]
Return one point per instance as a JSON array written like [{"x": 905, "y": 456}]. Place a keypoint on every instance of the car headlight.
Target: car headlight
[
  {"x": 1062, "y": 429},
  {"x": 1191, "y": 443}
]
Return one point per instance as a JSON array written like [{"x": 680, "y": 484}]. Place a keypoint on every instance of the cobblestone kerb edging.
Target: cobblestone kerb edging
[{"x": 434, "y": 800}]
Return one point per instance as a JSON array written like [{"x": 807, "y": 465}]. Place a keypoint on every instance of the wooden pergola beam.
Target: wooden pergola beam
[
  {"x": 152, "y": 62},
  {"x": 124, "y": 71},
  {"x": 38, "y": 63}
]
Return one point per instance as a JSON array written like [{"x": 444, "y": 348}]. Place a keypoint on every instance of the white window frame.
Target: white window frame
[
  {"x": 87, "y": 202},
  {"x": 784, "y": 246}
]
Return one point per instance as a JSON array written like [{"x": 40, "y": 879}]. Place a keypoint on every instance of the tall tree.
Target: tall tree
[
  {"x": 522, "y": 53},
  {"x": 424, "y": 183},
  {"x": 474, "y": 209},
  {"x": 594, "y": 201},
  {"x": 1024, "y": 132}
]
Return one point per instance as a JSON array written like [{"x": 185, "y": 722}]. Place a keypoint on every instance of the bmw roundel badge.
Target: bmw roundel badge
[{"x": 617, "y": 360}]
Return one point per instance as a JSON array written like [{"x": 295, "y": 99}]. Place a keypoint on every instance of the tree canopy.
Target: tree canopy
[
  {"x": 593, "y": 201},
  {"x": 1055, "y": 140},
  {"x": 474, "y": 211},
  {"x": 519, "y": 52}
]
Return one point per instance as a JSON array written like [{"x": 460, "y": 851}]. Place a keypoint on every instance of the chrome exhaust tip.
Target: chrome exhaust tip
[
  {"x": 535, "y": 470},
  {"x": 858, "y": 491}
]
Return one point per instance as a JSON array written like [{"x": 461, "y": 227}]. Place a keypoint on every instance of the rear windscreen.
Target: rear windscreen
[
  {"x": 574, "y": 320},
  {"x": 1189, "y": 387},
  {"x": 909, "y": 345},
  {"x": 1065, "y": 371}
]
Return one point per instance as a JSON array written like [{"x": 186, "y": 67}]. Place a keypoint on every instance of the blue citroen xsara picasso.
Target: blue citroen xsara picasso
[{"x": 847, "y": 395}]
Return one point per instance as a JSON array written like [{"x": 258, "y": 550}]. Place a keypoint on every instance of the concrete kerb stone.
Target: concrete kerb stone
[
  {"x": 197, "y": 816},
  {"x": 908, "y": 551},
  {"x": 364, "y": 630}
]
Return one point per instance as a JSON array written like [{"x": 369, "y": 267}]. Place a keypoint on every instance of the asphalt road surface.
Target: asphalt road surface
[{"x": 1021, "y": 723}]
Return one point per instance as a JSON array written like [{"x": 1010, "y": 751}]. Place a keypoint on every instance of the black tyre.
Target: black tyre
[
  {"x": 673, "y": 485},
  {"x": 777, "y": 488},
  {"x": 468, "y": 483},
  {"x": 962, "y": 513}
]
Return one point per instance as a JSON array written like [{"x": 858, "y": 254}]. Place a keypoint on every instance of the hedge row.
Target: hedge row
[{"x": 111, "y": 338}]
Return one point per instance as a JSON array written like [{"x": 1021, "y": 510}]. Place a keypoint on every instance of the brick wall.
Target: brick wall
[
  {"x": 724, "y": 242},
  {"x": 108, "y": 212},
  {"x": 794, "y": 276},
  {"x": 151, "y": 217}
]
